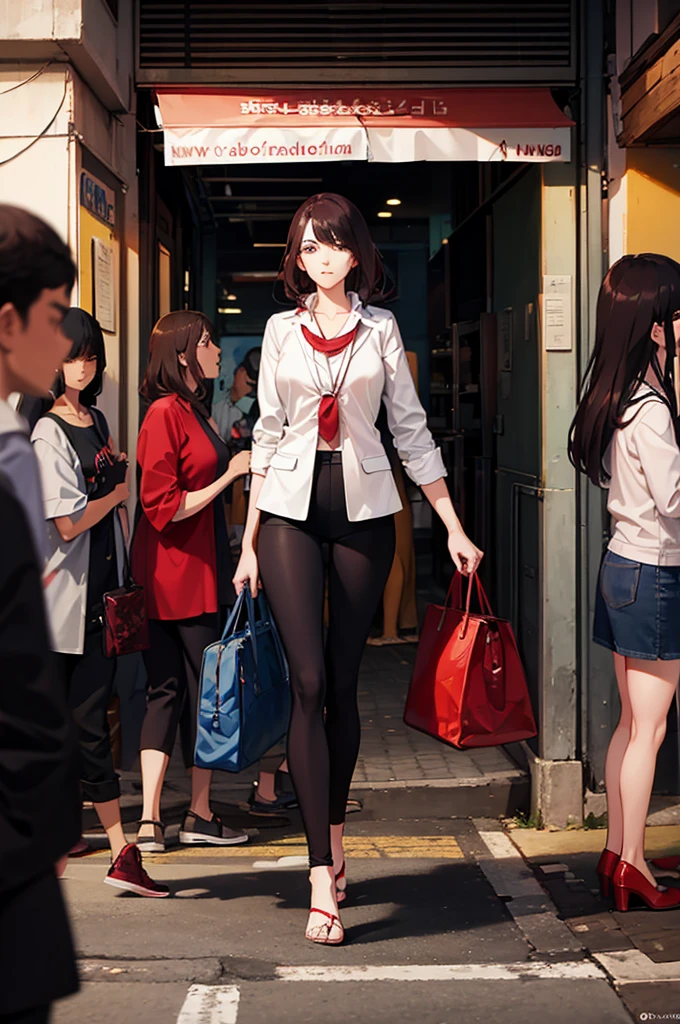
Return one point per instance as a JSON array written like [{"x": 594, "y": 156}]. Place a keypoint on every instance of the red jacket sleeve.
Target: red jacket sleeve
[{"x": 158, "y": 454}]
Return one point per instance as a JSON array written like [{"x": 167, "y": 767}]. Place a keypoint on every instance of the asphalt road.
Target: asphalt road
[{"x": 428, "y": 939}]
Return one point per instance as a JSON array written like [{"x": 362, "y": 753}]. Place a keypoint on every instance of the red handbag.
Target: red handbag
[
  {"x": 468, "y": 686},
  {"x": 126, "y": 626}
]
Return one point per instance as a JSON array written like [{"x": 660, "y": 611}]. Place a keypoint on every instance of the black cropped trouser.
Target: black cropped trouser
[
  {"x": 323, "y": 749},
  {"x": 89, "y": 680}
]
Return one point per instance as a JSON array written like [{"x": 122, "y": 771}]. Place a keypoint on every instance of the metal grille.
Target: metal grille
[{"x": 355, "y": 40}]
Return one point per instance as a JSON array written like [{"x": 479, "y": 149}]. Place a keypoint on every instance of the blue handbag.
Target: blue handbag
[{"x": 244, "y": 703}]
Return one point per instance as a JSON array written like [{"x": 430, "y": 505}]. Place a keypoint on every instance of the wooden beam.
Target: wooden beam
[{"x": 651, "y": 99}]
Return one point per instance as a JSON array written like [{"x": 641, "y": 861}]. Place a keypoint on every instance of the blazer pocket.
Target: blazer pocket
[
  {"x": 375, "y": 464},
  {"x": 281, "y": 461}
]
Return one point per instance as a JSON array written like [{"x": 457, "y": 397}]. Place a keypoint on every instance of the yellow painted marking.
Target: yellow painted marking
[{"x": 366, "y": 847}]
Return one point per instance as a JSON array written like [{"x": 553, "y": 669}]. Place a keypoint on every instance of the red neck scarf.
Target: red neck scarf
[{"x": 329, "y": 415}]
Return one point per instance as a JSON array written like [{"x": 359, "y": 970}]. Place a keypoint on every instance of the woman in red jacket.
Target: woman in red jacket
[{"x": 181, "y": 556}]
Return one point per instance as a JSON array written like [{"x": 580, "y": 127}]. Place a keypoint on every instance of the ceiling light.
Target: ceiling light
[
  {"x": 385, "y": 213},
  {"x": 229, "y": 309},
  {"x": 269, "y": 245},
  {"x": 394, "y": 202},
  {"x": 231, "y": 297}
]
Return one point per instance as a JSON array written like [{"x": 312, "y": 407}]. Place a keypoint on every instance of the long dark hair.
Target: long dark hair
[
  {"x": 336, "y": 221},
  {"x": 174, "y": 334},
  {"x": 87, "y": 341},
  {"x": 637, "y": 292}
]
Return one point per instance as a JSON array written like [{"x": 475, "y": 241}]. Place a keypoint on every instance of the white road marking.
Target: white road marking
[
  {"x": 512, "y": 876},
  {"x": 210, "y": 1004},
  {"x": 631, "y": 966},
  {"x": 282, "y": 862},
  {"x": 529, "y": 904},
  {"x": 582, "y": 970}
]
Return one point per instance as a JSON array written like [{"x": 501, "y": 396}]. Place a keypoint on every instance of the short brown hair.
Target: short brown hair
[
  {"x": 336, "y": 221},
  {"x": 174, "y": 334}
]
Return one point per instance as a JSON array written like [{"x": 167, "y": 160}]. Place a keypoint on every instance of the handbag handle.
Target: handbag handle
[
  {"x": 483, "y": 603},
  {"x": 457, "y": 582}
]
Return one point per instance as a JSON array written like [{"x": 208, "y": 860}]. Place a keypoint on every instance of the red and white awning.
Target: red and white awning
[{"x": 228, "y": 126}]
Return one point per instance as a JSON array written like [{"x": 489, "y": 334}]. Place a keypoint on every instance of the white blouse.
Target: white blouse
[
  {"x": 643, "y": 460},
  {"x": 292, "y": 379}
]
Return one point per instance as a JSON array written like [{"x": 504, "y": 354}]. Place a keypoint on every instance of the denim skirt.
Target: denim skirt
[{"x": 637, "y": 609}]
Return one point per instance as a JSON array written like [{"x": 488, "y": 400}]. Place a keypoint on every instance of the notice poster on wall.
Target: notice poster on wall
[
  {"x": 557, "y": 312},
  {"x": 104, "y": 285}
]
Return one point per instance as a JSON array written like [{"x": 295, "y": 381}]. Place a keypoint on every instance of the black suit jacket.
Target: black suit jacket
[{"x": 39, "y": 788}]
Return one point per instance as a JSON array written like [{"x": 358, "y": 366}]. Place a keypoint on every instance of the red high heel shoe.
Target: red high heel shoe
[
  {"x": 628, "y": 880},
  {"x": 666, "y": 863},
  {"x": 606, "y": 866}
]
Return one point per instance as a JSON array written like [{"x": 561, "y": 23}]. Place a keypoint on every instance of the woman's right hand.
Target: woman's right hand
[
  {"x": 247, "y": 572},
  {"x": 121, "y": 492},
  {"x": 239, "y": 465}
]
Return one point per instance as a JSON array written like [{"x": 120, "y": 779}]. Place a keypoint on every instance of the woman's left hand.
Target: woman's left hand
[{"x": 464, "y": 553}]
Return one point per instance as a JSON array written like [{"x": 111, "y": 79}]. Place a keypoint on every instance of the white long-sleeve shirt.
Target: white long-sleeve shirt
[{"x": 644, "y": 492}]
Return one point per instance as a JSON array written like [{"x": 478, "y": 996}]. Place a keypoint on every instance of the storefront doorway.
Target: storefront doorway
[{"x": 461, "y": 239}]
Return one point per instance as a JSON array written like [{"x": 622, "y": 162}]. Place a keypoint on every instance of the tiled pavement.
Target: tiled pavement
[
  {"x": 393, "y": 752},
  {"x": 392, "y": 756}
]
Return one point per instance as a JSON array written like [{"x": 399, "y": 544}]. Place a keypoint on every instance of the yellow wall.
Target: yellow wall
[
  {"x": 91, "y": 227},
  {"x": 653, "y": 201}
]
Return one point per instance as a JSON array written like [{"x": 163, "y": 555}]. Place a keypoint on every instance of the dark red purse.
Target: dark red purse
[
  {"x": 468, "y": 686},
  {"x": 126, "y": 626}
]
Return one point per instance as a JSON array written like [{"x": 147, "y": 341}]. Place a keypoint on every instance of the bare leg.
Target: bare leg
[
  {"x": 154, "y": 765},
  {"x": 323, "y": 898},
  {"x": 109, "y": 816},
  {"x": 612, "y": 770},
  {"x": 266, "y": 787},
  {"x": 651, "y": 686},
  {"x": 337, "y": 833},
  {"x": 200, "y": 792}
]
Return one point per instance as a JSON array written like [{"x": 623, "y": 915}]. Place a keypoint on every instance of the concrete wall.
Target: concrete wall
[{"x": 82, "y": 31}]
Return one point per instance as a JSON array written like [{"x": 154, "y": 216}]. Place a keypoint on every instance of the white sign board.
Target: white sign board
[
  {"x": 104, "y": 282},
  {"x": 557, "y": 313},
  {"x": 295, "y": 145}
]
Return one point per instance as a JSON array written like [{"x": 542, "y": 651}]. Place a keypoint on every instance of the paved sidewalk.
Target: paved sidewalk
[
  {"x": 639, "y": 949},
  {"x": 390, "y": 750},
  {"x": 400, "y": 772}
]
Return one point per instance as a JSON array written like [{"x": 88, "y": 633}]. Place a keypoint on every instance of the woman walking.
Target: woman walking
[
  {"x": 180, "y": 554},
  {"x": 322, "y": 482},
  {"x": 624, "y": 437},
  {"x": 84, "y": 489}
]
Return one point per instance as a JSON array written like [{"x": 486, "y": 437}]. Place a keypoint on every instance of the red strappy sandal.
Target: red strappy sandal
[{"x": 324, "y": 938}]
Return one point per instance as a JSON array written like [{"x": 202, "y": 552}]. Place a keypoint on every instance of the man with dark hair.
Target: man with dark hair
[
  {"x": 39, "y": 767},
  {"x": 233, "y": 422}
]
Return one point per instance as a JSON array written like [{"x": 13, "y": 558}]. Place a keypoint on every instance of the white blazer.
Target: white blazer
[{"x": 285, "y": 437}]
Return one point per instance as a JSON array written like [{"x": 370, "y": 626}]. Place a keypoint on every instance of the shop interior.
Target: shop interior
[{"x": 461, "y": 242}]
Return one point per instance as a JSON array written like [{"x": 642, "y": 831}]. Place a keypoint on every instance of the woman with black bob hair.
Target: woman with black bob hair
[
  {"x": 322, "y": 486},
  {"x": 84, "y": 490},
  {"x": 625, "y": 437}
]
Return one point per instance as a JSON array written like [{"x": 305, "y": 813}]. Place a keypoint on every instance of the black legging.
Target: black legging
[{"x": 291, "y": 559}]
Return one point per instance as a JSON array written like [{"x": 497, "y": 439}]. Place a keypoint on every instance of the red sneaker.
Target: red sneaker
[{"x": 127, "y": 872}]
